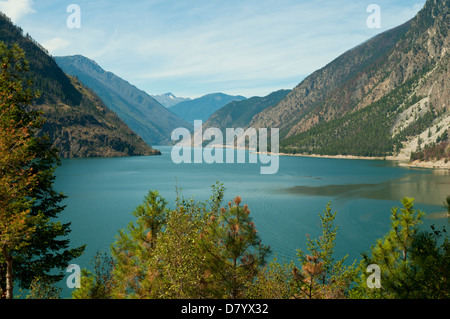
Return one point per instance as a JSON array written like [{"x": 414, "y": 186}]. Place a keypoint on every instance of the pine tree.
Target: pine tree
[
  {"x": 274, "y": 281},
  {"x": 163, "y": 256},
  {"x": 321, "y": 276},
  {"x": 233, "y": 249},
  {"x": 17, "y": 178},
  {"x": 29, "y": 232},
  {"x": 180, "y": 259},
  {"x": 429, "y": 274},
  {"x": 392, "y": 254},
  {"x": 447, "y": 205},
  {"x": 134, "y": 271},
  {"x": 96, "y": 284}
]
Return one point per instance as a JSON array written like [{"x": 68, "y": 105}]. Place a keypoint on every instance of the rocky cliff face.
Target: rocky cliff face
[{"x": 402, "y": 74}]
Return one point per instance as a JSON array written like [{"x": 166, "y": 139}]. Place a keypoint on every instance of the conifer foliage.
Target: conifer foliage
[
  {"x": 16, "y": 176},
  {"x": 196, "y": 250},
  {"x": 32, "y": 242},
  {"x": 203, "y": 250},
  {"x": 321, "y": 276},
  {"x": 414, "y": 262},
  {"x": 236, "y": 254}
]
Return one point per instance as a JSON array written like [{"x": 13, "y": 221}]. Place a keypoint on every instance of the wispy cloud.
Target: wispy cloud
[
  {"x": 15, "y": 9},
  {"x": 199, "y": 46},
  {"x": 55, "y": 44}
]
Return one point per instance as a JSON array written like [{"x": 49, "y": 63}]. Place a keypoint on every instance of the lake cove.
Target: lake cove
[{"x": 103, "y": 192}]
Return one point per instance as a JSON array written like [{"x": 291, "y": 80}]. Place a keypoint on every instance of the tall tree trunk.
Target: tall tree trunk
[{"x": 9, "y": 274}]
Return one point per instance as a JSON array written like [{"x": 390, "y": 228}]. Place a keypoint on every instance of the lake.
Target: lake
[{"x": 102, "y": 193}]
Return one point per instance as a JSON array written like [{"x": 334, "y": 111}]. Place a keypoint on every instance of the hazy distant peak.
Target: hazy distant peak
[{"x": 169, "y": 99}]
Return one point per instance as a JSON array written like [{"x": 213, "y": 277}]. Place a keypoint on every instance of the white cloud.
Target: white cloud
[
  {"x": 15, "y": 9},
  {"x": 212, "y": 45},
  {"x": 55, "y": 44}
]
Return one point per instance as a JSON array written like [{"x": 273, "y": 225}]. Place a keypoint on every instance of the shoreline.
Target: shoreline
[{"x": 402, "y": 161}]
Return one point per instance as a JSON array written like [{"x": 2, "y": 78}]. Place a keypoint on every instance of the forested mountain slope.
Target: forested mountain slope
[
  {"x": 240, "y": 113},
  {"x": 140, "y": 111},
  {"x": 77, "y": 121}
]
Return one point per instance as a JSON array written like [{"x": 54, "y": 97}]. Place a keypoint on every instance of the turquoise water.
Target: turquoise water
[{"x": 103, "y": 192}]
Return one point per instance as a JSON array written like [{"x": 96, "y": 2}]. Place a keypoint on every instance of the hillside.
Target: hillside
[
  {"x": 379, "y": 98},
  {"x": 77, "y": 121},
  {"x": 240, "y": 113},
  {"x": 141, "y": 112},
  {"x": 203, "y": 107}
]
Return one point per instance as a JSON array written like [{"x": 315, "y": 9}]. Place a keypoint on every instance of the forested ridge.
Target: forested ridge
[{"x": 77, "y": 121}]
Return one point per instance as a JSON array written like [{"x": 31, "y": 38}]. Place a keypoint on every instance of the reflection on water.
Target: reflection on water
[{"x": 428, "y": 189}]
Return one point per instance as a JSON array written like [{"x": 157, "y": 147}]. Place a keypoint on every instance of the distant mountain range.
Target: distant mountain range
[
  {"x": 77, "y": 121},
  {"x": 203, "y": 107},
  {"x": 387, "y": 96},
  {"x": 140, "y": 111},
  {"x": 168, "y": 99},
  {"x": 240, "y": 113}
]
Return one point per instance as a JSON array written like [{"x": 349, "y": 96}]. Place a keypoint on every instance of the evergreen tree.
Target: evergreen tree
[
  {"x": 16, "y": 177},
  {"x": 274, "y": 281},
  {"x": 178, "y": 259},
  {"x": 393, "y": 255},
  {"x": 98, "y": 283},
  {"x": 234, "y": 252},
  {"x": 163, "y": 256},
  {"x": 29, "y": 234},
  {"x": 447, "y": 205},
  {"x": 134, "y": 272},
  {"x": 321, "y": 276},
  {"x": 429, "y": 274}
]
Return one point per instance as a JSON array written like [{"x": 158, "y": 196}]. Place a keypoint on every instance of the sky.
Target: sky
[{"x": 195, "y": 47}]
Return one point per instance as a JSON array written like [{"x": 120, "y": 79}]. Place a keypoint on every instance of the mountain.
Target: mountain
[
  {"x": 240, "y": 113},
  {"x": 388, "y": 96},
  {"x": 203, "y": 107},
  {"x": 141, "y": 112},
  {"x": 168, "y": 99},
  {"x": 77, "y": 121}
]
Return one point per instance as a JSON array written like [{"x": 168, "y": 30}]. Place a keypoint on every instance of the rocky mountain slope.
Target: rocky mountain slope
[
  {"x": 387, "y": 96},
  {"x": 141, "y": 112},
  {"x": 77, "y": 120}
]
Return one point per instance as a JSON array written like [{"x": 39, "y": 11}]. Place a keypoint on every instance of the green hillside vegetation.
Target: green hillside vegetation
[
  {"x": 240, "y": 113},
  {"x": 435, "y": 151},
  {"x": 363, "y": 132},
  {"x": 203, "y": 107}
]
